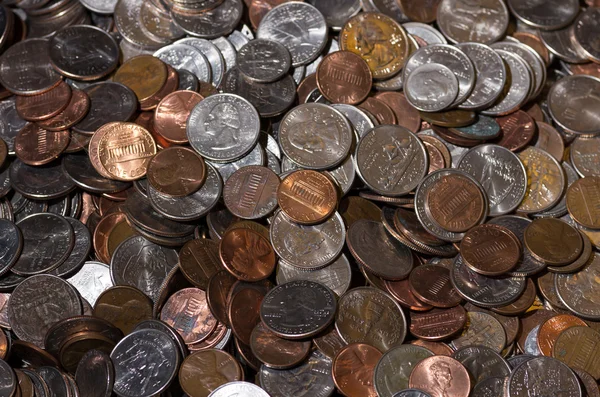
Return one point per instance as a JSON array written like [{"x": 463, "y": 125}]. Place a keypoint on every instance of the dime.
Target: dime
[
  {"x": 247, "y": 255},
  {"x": 431, "y": 87},
  {"x": 583, "y": 202},
  {"x": 553, "y": 241},
  {"x": 275, "y": 352},
  {"x": 144, "y": 74},
  {"x": 91, "y": 280},
  {"x": 551, "y": 329},
  {"x": 349, "y": 362},
  {"x": 520, "y": 80},
  {"x": 204, "y": 371},
  {"x": 439, "y": 376},
  {"x": 379, "y": 40},
  {"x": 491, "y": 250},
  {"x": 438, "y": 324},
  {"x": 569, "y": 349},
  {"x": 186, "y": 57},
  {"x": 344, "y": 77},
  {"x": 431, "y": 284},
  {"x": 578, "y": 114},
  {"x": 307, "y": 197},
  {"x": 545, "y": 180},
  {"x": 484, "y": 21},
  {"x": 263, "y": 61}
]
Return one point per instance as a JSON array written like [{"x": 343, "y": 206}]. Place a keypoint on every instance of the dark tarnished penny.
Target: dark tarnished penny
[
  {"x": 188, "y": 313},
  {"x": 353, "y": 208},
  {"x": 583, "y": 201},
  {"x": 251, "y": 192},
  {"x": 44, "y": 106},
  {"x": 217, "y": 294},
  {"x": 244, "y": 313},
  {"x": 400, "y": 290},
  {"x": 382, "y": 112},
  {"x": 124, "y": 307},
  {"x": 491, "y": 250},
  {"x": 247, "y": 255},
  {"x": 176, "y": 171},
  {"x": 76, "y": 110},
  {"x": 431, "y": 284},
  {"x": 438, "y": 324},
  {"x": 95, "y": 374},
  {"x": 199, "y": 261},
  {"x": 553, "y": 241},
  {"x": 276, "y": 352},
  {"x": 204, "y": 371},
  {"x": 518, "y": 129},
  {"x": 74, "y": 348},
  {"x": 36, "y": 146},
  {"x": 522, "y": 304}
]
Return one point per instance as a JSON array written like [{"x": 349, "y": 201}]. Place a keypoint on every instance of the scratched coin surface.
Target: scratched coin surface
[
  {"x": 481, "y": 21},
  {"x": 344, "y": 77},
  {"x": 393, "y": 369},
  {"x": 188, "y": 313},
  {"x": 353, "y": 369},
  {"x": 176, "y": 171},
  {"x": 527, "y": 375},
  {"x": 545, "y": 16},
  {"x": 545, "y": 180}
]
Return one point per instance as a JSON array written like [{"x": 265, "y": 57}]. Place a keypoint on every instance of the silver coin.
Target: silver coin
[
  {"x": 91, "y": 280},
  {"x": 219, "y": 21},
  {"x": 311, "y": 379},
  {"x": 307, "y": 247},
  {"x": 574, "y": 104},
  {"x": 8, "y": 380},
  {"x": 273, "y": 162},
  {"x": 331, "y": 46},
  {"x": 344, "y": 175},
  {"x": 542, "y": 376},
  {"x": 212, "y": 54},
  {"x": 270, "y": 99},
  {"x": 187, "y": 81},
  {"x": 263, "y": 61},
  {"x": 25, "y": 68},
  {"x": 411, "y": 393},
  {"x": 361, "y": 123},
  {"x": 533, "y": 60},
  {"x": 11, "y": 240},
  {"x": 336, "y": 276},
  {"x": 501, "y": 174},
  {"x": 238, "y": 388},
  {"x": 158, "y": 23},
  {"x": 485, "y": 291},
  {"x": 256, "y": 157},
  {"x": 480, "y": 21},
  {"x": 391, "y": 8},
  {"x": 227, "y": 50},
  {"x": 81, "y": 171},
  {"x": 431, "y": 87},
  {"x": 238, "y": 39},
  {"x": 29, "y": 208},
  {"x": 145, "y": 362},
  {"x": 481, "y": 362},
  {"x": 300, "y": 27},
  {"x": 490, "y": 77},
  {"x": 489, "y": 387},
  {"x": 128, "y": 23},
  {"x": 455, "y": 59},
  {"x": 40, "y": 183},
  {"x": 337, "y": 12},
  {"x": 39, "y": 302},
  {"x": 100, "y": 6},
  {"x": 164, "y": 327},
  {"x": 425, "y": 32},
  {"x": 193, "y": 206},
  {"x": 270, "y": 144},
  {"x": 584, "y": 155},
  {"x": 531, "y": 342},
  {"x": 391, "y": 160},
  {"x": 587, "y": 30},
  {"x": 395, "y": 366},
  {"x": 545, "y": 14},
  {"x": 315, "y": 136},
  {"x": 129, "y": 51},
  {"x": 10, "y": 123},
  {"x": 183, "y": 56},
  {"x": 560, "y": 208},
  {"x": 519, "y": 80},
  {"x": 574, "y": 289},
  {"x": 564, "y": 44},
  {"x": 141, "y": 264},
  {"x": 81, "y": 249},
  {"x": 223, "y": 127}
]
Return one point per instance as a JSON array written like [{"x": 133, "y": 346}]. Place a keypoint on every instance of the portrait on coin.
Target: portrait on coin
[
  {"x": 315, "y": 135},
  {"x": 223, "y": 126},
  {"x": 248, "y": 249},
  {"x": 441, "y": 375},
  {"x": 373, "y": 44}
]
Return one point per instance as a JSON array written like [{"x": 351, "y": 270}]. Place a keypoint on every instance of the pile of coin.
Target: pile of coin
[{"x": 299, "y": 198}]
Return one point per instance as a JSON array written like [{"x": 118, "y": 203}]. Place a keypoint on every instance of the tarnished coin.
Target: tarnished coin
[
  {"x": 250, "y": 192},
  {"x": 491, "y": 250},
  {"x": 548, "y": 16},
  {"x": 247, "y": 255},
  {"x": 95, "y": 374},
  {"x": 144, "y": 74},
  {"x": 357, "y": 357},
  {"x": 307, "y": 197},
  {"x": 176, "y": 171},
  {"x": 545, "y": 180},
  {"x": 483, "y": 21},
  {"x": 124, "y": 307},
  {"x": 431, "y": 87},
  {"x": 304, "y": 30},
  {"x": 379, "y": 40},
  {"x": 438, "y": 324},
  {"x": 223, "y": 127},
  {"x": 344, "y": 77},
  {"x": 431, "y": 284},
  {"x": 204, "y": 371},
  {"x": 550, "y": 140},
  {"x": 383, "y": 326},
  {"x": 188, "y": 313},
  {"x": 440, "y": 376},
  {"x": 482, "y": 363},
  {"x": 12, "y": 242},
  {"x": 524, "y": 378},
  {"x": 199, "y": 261},
  {"x": 482, "y": 329},
  {"x": 393, "y": 369},
  {"x": 553, "y": 241},
  {"x": 577, "y": 115},
  {"x": 578, "y": 291},
  {"x": 583, "y": 201},
  {"x": 275, "y": 352}
]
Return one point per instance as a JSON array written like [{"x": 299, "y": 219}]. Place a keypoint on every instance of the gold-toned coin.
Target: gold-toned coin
[
  {"x": 545, "y": 180},
  {"x": 579, "y": 347},
  {"x": 583, "y": 201},
  {"x": 553, "y": 241},
  {"x": 450, "y": 118},
  {"x": 144, "y": 74},
  {"x": 379, "y": 40}
]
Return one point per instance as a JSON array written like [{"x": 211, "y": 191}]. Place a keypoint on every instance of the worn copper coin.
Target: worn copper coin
[
  {"x": 578, "y": 347},
  {"x": 438, "y": 324},
  {"x": 551, "y": 329},
  {"x": 95, "y": 374},
  {"x": 400, "y": 291},
  {"x": 275, "y": 352},
  {"x": 518, "y": 129},
  {"x": 353, "y": 370},
  {"x": 36, "y": 146},
  {"x": 217, "y": 293},
  {"x": 176, "y": 171},
  {"x": 124, "y": 307},
  {"x": 553, "y": 241},
  {"x": 251, "y": 192},
  {"x": 44, "y": 106},
  {"x": 144, "y": 74},
  {"x": 431, "y": 284},
  {"x": 344, "y": 77},
  {"x": 170, "y": 117},
  {"x": 583, "y": 201},
  {"x": 382, "y": 112},
  {"x": 199, "y": 261},
  {"x": 450, "y": 118},
  {"x": 188, "y": 313},
  {"x": 522, "y": 304},
  {"x": 406, "y": 115},
  {"x": 204, "y": 371},
  {"x": 491, "y": 250},
  {"x": 441, "y": 376},
  {"x": 76, "y": 110},
  {"x": 169, "y": 87},
  {"x": 247, "y": 255},
  {"x": 244, "y": 313}
]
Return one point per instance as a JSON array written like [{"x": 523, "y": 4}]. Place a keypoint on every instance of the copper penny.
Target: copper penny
[
  {"x": 419, "y": 10},
  {"x": 44, "y": 106},
  {"x": 3, "y": 152},
  {"x": 76, "y": 110},
  {"x": 306, "y": 86},
  {"x": 25, "y": 384},
  {"x": 307, "y": 197},
  {"x": 115, "y": 222},
  {"x": 275, "y": 352},
  {"x": 188, "y": 313},
  {"x": 589, "y": 69},
  {"x": 407, "y": 222},
  {"x": 552, "y": 328},
  {"x": 257, "y": 227},
  {"x": 124, "y": 150},
  {"x": 438, "y": 348},
  {"x": 579, "y": 347},
  {"x": 353, "y": 208},
  {"x": 518, "y": 129},
  {"x": 534, "y": 41},
  {"x": 456, "y": 203},
  {"x": 522, "y": 304},
  {"x": 344, "y": 77},
  {"x": 431, "y": 284},
  {"x": 382, "y": 112},
  {"x": 441, "y": 376},
  {"x": 550, "y": 140},
  {"x": 553, "y": 241},
  {"x": 583, "y": 201},
  {"x": 535, "y": 111},
  {"x": 400, "y": 290},
  {"x": 176, "y": 171},
  {"x": 170, "y": 118},
  {"x": 204, "y": 371},
  {"x": 247, "y": 255},
  {"x": 36, "y": 146},
  {"x": 354, "y": 369},
  {"x": 329, "y": 342},
  {"x": 453, "y": 138},
  {"x": 529, "y": 321},
  {"x": 436, "y": 159},
  {"x": 406, "y": 115},
  {"x": 251, "y": 192},
  {"x": 74, "y": 348},
  {"x": 217, "y": 294},
  {"x": 3, "y": 346},
  {"x": 214, "y": 339},
  {"x": 450, "y": 118},
  {"x": 244, "y": 313},
  {"x": 170, "y": 86},
  {"x": 93, "y": 151},
  {"x": 199, "y": 261},
  {"x": 438, "y": 324},
  {"x": 144, "y": 74},
  {"x": 124, "y": 307},
  {"x": 491, "y": 250}
]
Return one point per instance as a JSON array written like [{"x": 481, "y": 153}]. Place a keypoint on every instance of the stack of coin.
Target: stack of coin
[{"x": 280, "y": 198}]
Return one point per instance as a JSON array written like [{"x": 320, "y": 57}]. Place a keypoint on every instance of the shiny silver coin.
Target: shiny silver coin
[
  {"x": 91, "y": 281},
  {"x": 452, "y": 57},
  {"x": 564, "y": 44},
  {"x": 344, "y": 175},
  {"x": 25, "y": 68},
  {"x": 300, "y": 27},
  {"x": 223, "y": 127},
  {"x": 574, "y": 104},
  {"x": 531, "y": 342},
  {"x": 256, "y": 157},
  {"x": 74, "y": 52},
  {"x": 183, "y": 56},
  {"x": 81, "y": 249},
  {"x": 128, "y": 23},
  {"x": 157, "y": 22},
  {"x": 239, "y": 388},
  {"x": 307, "y": 247},
  {"x": 11, "y": 239},
  {"x": 501, "y": 174},
  {"x": 227, "y": 50},
  {"x": 490, "y": 76},
  {"x": 390, "y": 8},
  {"x": 545, "y": 15},
  {"x": 213, "y": 56},
  {"x": 573, "y": 289},
  {"x": 263, "y": 61},
  {"x": 587, "y": 30},
  {"x": 519, "y": 80},
  {"x": 10, "y": 123},
  {"x": 135, "y": 354},
  {"x": 219, "y": 21},
  {"x": 337, "y": 12},
  {"x": 583, "y": 155},
  {"x": 40, "y": 183},
  {"x": 315, "y": 136},
  {"x": 391, "y": 160},
  {"x": 336, "y": 276},
  {"x": 360, "y": 121},
  {"x": 480, "y": 21},
  {"x": 100, "y": 6},
  {"x": 431, "y": 87},
  {"x": 525, "y": 380},
  {"x": 425, "y": 32},
  {"x": 167, "y": 329},
  {"x": 238, "y": 39}
]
